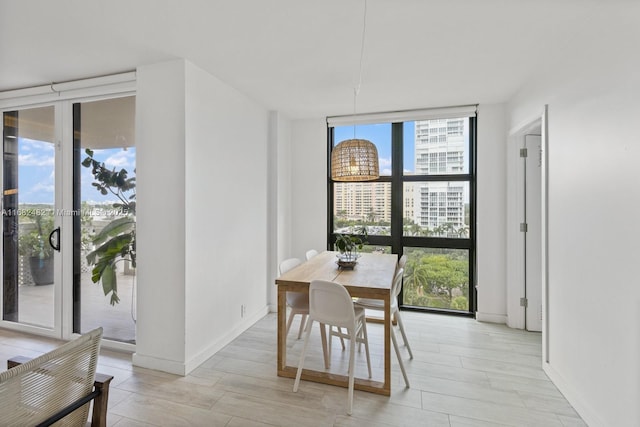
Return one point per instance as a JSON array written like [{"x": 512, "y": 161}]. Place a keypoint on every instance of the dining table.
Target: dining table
[{"x": 371, "y": 277}]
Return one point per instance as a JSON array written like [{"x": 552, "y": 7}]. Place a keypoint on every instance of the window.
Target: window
[{"x": 423, "y": 204}]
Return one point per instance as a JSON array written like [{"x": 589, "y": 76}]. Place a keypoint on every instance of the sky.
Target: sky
[
  {"x": 380, "y": 135},
  {"x": 36, "y": 171}
]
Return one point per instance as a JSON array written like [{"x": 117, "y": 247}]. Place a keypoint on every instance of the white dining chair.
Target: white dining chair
[
  {"x": 297, "y": 301},
  {"x": 402, "y": 261},
  {"x": 331, "y": 304},
  {"x": 376, "y": 304},
  {"x": 311, "y": 253}
]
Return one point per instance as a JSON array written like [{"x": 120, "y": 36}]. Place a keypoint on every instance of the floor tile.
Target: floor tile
[{"x": 464, "y": 374}]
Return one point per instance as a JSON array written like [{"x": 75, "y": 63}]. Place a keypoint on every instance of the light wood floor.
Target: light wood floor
[{"x": 464, "y": 373}]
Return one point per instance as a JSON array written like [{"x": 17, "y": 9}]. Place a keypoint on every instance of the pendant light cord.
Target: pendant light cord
[{"x": 356, "y": 89}]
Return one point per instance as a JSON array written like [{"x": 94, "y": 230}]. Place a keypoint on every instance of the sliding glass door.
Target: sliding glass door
[
  {"x": 68, "y": 219},
  {"x": 30, "y": 270}
]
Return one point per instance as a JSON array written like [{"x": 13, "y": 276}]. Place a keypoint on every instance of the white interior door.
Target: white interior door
[{"x": 533, "y": 235}]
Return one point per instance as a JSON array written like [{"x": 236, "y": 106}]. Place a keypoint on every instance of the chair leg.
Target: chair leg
[
  {"x": 404, "y": 335},
  {"x": 341, "y": 339},
  {"x": 302, "y": 356},
  {"x": 330, "y": 339},
  {"x": 352, "y": 350},
  {"x": 366, "y": 344},
  {"x": 303, "y": 320},
  {"x": 395, "y": 346}
]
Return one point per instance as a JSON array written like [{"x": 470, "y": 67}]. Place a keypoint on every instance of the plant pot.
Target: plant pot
[
  {"x": 41, "y": 270},
  {"x": 347, "y": 261}
]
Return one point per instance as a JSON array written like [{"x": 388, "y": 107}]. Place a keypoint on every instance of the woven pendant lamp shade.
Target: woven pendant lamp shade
[{"x": 354, "y": 160}]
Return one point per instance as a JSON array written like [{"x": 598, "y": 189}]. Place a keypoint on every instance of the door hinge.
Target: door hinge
[
  {"x": 523, "y": 227},
  {"x": 523, "y": 152},
  {"x": 524, "y": 302}
]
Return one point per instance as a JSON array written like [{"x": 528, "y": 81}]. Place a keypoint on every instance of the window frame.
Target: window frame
[{"x": 397, "y": 240}]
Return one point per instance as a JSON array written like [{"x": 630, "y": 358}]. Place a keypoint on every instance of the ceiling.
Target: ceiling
[{"x": 301, "y": 57}]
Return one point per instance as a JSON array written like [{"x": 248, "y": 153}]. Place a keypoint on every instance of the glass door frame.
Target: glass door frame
[
  {"x": 62, "y": 97},
  {"x": 57, "y": 330}
]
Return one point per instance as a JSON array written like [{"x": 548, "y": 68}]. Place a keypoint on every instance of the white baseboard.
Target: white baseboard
[
  {"x": 226, "y": 339},
  {"x": 155, "y": 363},
  {"x": 491, "y": 317},
  {"x": 584, "y": 410},
  {"x": 179, "y": 368}
]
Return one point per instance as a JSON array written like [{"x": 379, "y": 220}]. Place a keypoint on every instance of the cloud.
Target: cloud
[
  {"x": 35, "y": 153},
  {"x": 42, "y": 187},
  {"x": 27, "y": 144},
  {"x": 385, "y": 165},
  {"x": 38, "y": 159},
  {"x": 121, "y": 159}
]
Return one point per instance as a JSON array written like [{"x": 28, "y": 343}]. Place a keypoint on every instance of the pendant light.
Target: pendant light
[{"x": 355, "y": 159}]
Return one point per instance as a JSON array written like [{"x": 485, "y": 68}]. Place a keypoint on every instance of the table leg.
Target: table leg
[{"x": 282, "y": 329}]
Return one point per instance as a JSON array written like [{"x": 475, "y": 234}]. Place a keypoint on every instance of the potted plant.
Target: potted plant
[
  {"x": 348, "y": 245},
  {"x": 34, "y": 246}
]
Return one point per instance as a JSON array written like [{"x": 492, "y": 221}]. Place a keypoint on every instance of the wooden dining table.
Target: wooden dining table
[{"x": 372, "y": 277}]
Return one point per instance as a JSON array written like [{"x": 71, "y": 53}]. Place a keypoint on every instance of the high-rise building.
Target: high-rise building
[
  {"x": 440, "y": 149},
  {"x": 366, "y": 201}
]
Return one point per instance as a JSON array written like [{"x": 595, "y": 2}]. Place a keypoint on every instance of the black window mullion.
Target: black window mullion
[
  {"x": 424, "y": 178},
  {"x": 330, "y": 236},
  {"x": 472, "y": 213},
  {"x": 397, "y": 190}
]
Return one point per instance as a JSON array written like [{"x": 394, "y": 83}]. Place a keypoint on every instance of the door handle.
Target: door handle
[{"x": 55, "y": 246}]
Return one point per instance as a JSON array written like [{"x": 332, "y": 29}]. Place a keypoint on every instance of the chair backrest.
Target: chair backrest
[
  {"x": 402, "y": 261},
  {"x": 294, "y": 299},
  {"x": 311, "y": 253},
  {"x": 330, "y": 303},
  {"x": 34, "y": 391},
  {"x": 288, "y": 264},
  {"x": 396, "y": 287}
]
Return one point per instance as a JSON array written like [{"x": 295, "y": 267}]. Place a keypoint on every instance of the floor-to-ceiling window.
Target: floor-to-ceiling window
[{"x": 422, "y": 205}]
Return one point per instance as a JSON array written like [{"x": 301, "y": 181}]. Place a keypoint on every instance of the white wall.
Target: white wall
[
  {"x": 491, "y": 214},
  {"x": 202, "y": 215},
  {"x": 225, "y": 213},
  {"x": 160, "y": 176},
  {"x": 308, "y": 186},
  {"x": 593, "y": 204},
  {"x": 280, "y": 196}
]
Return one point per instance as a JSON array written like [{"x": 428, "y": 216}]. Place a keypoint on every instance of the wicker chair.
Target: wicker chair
[{"x": 57, "y": 385}]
